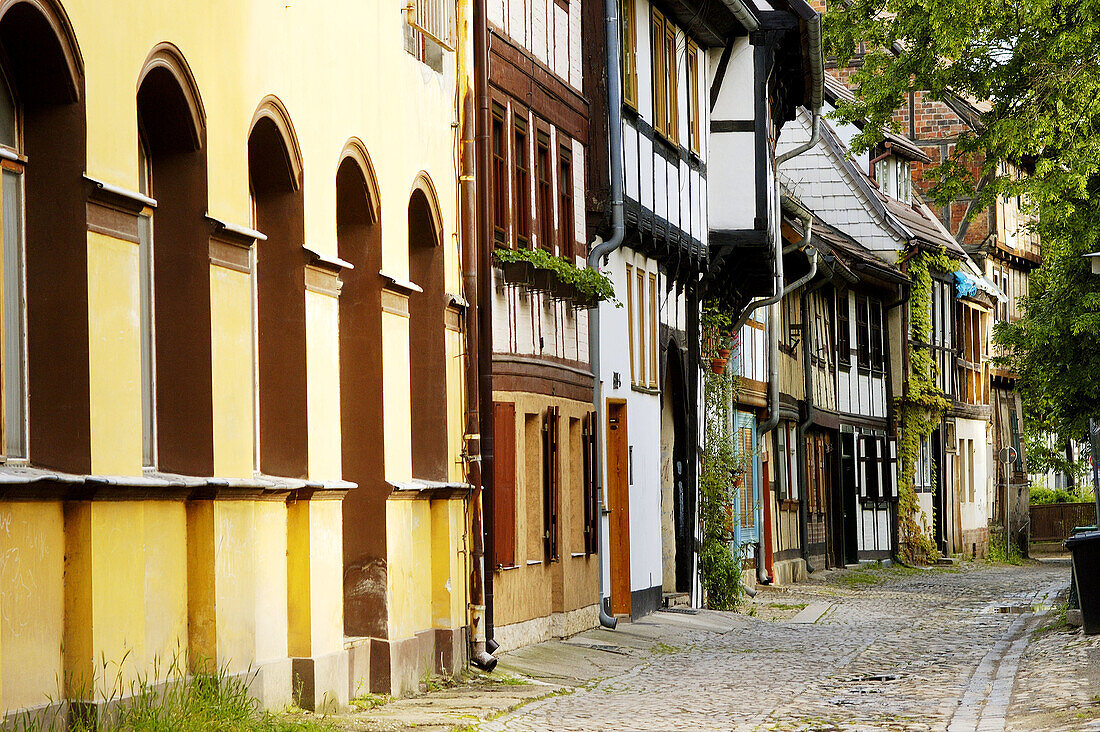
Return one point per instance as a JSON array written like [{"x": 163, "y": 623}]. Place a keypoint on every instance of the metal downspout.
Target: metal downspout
[
  {"x": 468, "y": 208},
  {"x": 599, "y": 251},
  {"x": 484, "y": 311},
  {"x": 804, "y": 425}
]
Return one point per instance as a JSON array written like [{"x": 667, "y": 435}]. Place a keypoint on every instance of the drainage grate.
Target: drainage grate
[{"x": 681, "y": 610}]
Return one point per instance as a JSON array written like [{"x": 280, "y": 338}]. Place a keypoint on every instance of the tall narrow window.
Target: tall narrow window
[
  {"x": 630, "y": 50},
  {"x": 863, "y": 346},
  {"x": 660, "y": 93},
  {"x": 500, "y": 180},
  {"x": 653, "y": 331},
  {"x": 522, "y": 179},
  {"x": 843, "y": 329},
  {"x": 641, "y": 327},
  {"x": 567, "y": 226},
  {"x": 672, "y": 122},
  {"x": 630, "y": 319},
  {"x": 145, "y": 259},
  {"x": 693, "y": 95},
  {"x": 545, "y": 202},
  {"x": 877, "y": 362},
  {"x": 15, "y": 308}
]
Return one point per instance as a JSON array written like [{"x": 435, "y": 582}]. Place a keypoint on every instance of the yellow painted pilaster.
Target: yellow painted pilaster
[
  {"x": 409, "y": 576},
  {"x": 323, "y": 384},
  {"x": 314, "y": 577},
  {"x": 114, "y": 355},
  {"x": 125, "y": 611},
  {"x": 231, "y": 352},
  {"x": 32, "y": 550},
  {"x": 448, "y": 587},
  {"x": 397, "y": 426}
]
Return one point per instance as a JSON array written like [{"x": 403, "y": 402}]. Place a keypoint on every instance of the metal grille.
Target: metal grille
[{"x": 431, "y": 17}]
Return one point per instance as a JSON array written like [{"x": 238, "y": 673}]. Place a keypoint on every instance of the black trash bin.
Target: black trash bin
[
  {"x": 1074, "y": 603},
  {"x": 1085, "y": 547}
]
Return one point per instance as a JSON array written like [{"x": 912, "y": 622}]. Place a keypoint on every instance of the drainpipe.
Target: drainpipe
[
  {"x": 467, "y": 210},
  {"x": 804, "y": 425},
  {"x": 601, "y": 250},
  {"x": 484, "y": 287}
]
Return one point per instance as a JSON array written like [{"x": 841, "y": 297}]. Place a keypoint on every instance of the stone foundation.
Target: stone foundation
[{"x": 537, "y": 630}]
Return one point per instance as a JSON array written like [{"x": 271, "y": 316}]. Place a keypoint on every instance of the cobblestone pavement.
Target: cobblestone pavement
[{"x": 967, "y": 649}]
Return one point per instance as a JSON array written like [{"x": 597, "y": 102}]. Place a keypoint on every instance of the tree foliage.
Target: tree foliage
[{"x": 1036, "y": 66}]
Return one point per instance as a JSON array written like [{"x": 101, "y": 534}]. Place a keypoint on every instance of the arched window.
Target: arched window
[
  {"x": 274, "y": 170},
  {"x": 15, "y": 315},
  {"x": 359, "y": 241},
  {"x": 46, "y": 415},
  {"x": 427, "y": 343},
  {"x": 177, "y": 392}
]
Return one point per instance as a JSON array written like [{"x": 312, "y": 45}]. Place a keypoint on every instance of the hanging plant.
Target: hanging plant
[
  {"x": 921, "y": 406},
  {"x": 716, "y": 326},
  {"x": 543, "y": 271}
]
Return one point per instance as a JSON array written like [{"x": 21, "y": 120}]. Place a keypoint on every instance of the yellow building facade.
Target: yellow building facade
[{"x": 232, "y": 361}]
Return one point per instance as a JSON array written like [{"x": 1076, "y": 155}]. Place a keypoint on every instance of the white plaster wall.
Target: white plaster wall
[
  {"x": 643, "y": 427},
  {"x": 974, "y": 515}
]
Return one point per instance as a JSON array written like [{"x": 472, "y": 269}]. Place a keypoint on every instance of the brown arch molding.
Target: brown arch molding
[
  {"x": 356, "y": 151},
  {"x": 359, "y": 241},
  {"x": 54, "y": 15},
  {"x": 167, "y": 56},
  {"x": 43, "y": 63},
  {"x": 427, "y": 337},
  {"x": 272, "y": 108}
]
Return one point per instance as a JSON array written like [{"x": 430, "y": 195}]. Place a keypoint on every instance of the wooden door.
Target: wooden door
[{"x": 618, "y": 494}]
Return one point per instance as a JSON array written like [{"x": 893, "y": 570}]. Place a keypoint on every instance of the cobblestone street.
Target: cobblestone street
[
  {"x": 893, "y": 650},
  {"x": 973, "y": 648}
]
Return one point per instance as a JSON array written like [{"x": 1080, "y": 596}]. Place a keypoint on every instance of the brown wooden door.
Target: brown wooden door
[{"x": 618, "y": 489}]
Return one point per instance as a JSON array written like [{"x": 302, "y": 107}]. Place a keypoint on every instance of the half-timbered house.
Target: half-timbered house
[{"x": 544, "y": 514}]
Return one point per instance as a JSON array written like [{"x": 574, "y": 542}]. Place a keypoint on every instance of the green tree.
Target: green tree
[{"x": 1037, "y": 62}]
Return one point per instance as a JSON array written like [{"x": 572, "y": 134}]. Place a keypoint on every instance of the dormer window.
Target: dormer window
[{"x": 894, "y": 177}]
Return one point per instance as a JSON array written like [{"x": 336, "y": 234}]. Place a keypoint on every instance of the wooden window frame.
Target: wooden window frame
[
  {"x": 630, "y": 320},
  {"x": 692, "y": 78},
  {"x": 544, "y": 189},
  {"x": 877, "y": 329},
  {"x": 843, "y": 329},
  {"x": 566, "y": 212},
  {"x": 14, "y": 425},
  {"x": 521, "y": 179},
  {"x": 630, "y": 52},
  {"x": 863, "y": 342},
  {"x": 672, "y": 82},
  {"x": 653, "y": 330},
  {"x": 501, "y": 203},
  {"x": 660, "y": 73},
  {"x": 641, "y": 273}
]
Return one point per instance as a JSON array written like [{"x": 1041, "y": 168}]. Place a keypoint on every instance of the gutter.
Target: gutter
[{"x": 600, "y": 250}]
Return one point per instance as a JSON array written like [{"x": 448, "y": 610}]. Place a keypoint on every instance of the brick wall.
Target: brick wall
[{"x": 976, "y": 542}]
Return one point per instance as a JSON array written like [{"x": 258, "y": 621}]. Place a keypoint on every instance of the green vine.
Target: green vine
[
  {"x": 719, "y": 561},
  {"x": 920, "y": 407},
  {"x": 590, "y": 285}
]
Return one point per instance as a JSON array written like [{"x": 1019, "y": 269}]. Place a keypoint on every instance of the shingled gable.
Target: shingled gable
[{"x": 904, "y": 224}]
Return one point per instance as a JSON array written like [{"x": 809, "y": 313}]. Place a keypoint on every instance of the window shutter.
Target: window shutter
[
  {"x": 861, "y": 465},
  {"x": 504, "y": 484},
  {"x": 588, "y": 462},
  {"x": 890, "y": 469},
  {"x": 554, "y": 413}
]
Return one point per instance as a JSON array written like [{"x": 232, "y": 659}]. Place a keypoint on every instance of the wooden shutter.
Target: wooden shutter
[
  {"x": 861, "y": 466},
  {"x": 504, "y": 484},
  {"x": 591, "y": 496},
  {"x": 550, "y": 483},
  {"x": 657, "y": 53},
  {"x": 890, "y": 468}
]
